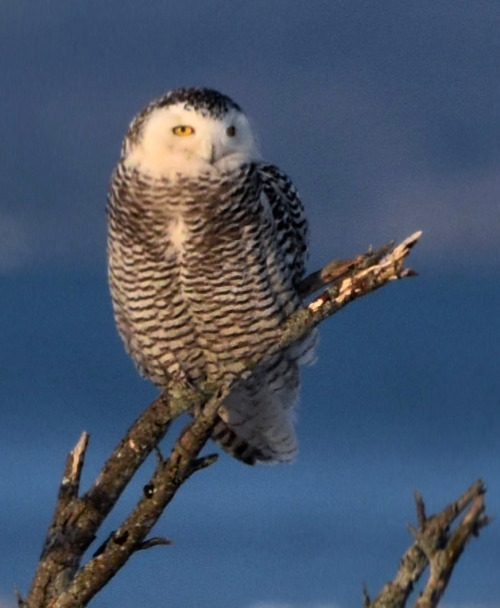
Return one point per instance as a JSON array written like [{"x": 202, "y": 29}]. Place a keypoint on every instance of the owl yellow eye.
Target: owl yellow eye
[
  {"x": 231, "y": 131},
  {"x": 183, "y": 130}
]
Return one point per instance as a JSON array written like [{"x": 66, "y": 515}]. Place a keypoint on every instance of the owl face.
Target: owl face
[{"x": 190, "y": 136}]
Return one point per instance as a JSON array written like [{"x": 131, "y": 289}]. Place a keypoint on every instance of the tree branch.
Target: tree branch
[
  {"x": 338, "y": 269},
  {"x": 59, "y": 580},
  {"x": 130, "y": 537},
  {"x": 434, "y": 545}
]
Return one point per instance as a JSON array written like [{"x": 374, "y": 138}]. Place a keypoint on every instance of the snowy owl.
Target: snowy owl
[{"x": 206, "y": 247}]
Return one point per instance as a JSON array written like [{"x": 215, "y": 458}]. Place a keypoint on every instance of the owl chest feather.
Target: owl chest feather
[{"x": 206, "y": 255}]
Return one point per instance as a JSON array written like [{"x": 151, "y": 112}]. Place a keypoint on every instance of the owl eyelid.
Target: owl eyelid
[
  {"x": 231, "y": 131},
  {"x": 183, "y": 130}
]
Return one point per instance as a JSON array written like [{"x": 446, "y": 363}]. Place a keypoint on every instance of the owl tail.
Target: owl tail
[
  {"x": 229, "y": 441},
  {"x": 256, "y": 419}
]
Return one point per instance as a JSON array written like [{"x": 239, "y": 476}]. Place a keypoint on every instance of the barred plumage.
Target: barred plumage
[{"x": 206, "y": 247}]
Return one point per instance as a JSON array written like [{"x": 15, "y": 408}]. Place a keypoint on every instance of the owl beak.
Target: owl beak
[{"x": 212, "y": 155}]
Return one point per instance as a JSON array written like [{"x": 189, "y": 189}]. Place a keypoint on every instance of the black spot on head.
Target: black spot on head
[{"x": 206, "y": 101}]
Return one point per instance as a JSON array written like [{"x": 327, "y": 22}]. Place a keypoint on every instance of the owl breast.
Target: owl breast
[{"x": 198, "y": 274}]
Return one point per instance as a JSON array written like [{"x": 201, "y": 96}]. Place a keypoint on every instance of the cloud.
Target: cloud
[
  {"x": 390, "y": 140},
  {"x": 382, "y": 173},
  {"x": 457, "y": 214}
]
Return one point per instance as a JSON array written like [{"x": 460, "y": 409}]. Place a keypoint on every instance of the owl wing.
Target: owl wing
[
  {"x": 288, "y": 213},
  {"x": 256, "y": 422}
]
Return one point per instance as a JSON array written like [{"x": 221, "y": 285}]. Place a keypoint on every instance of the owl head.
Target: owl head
[{"x": 189, "y": 131}]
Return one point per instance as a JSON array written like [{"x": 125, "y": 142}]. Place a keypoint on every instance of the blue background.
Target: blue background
[{"x": 386, "y": 115}]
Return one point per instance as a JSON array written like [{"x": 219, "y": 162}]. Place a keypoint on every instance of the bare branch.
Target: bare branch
[
  {"x": 202, "y": 463},
  {"x": 419, "y": 503},
  {"x": 58, "y": 558},
  {"x": 434, "y": 544},
  {"x": 59, "y": 580},
  {"x": 155, "y": 541},
  {"x": 75, "y": 522},
  {"x": 338, "y": 269},
  {"x": 443, "y": 559},
  {"x": 360, "y": 282},
  {"x": 74, "y": 465},
  {"x": 130, "y": 537}
]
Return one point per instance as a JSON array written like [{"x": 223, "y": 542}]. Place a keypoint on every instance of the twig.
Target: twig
[{"x": 155, "y": 541}]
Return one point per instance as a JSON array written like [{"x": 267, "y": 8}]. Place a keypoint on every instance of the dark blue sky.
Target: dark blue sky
[{"x": 386, "y": 116}]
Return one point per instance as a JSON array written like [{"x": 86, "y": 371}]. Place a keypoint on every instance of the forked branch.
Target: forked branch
[{"x": 435, "y": 545}]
